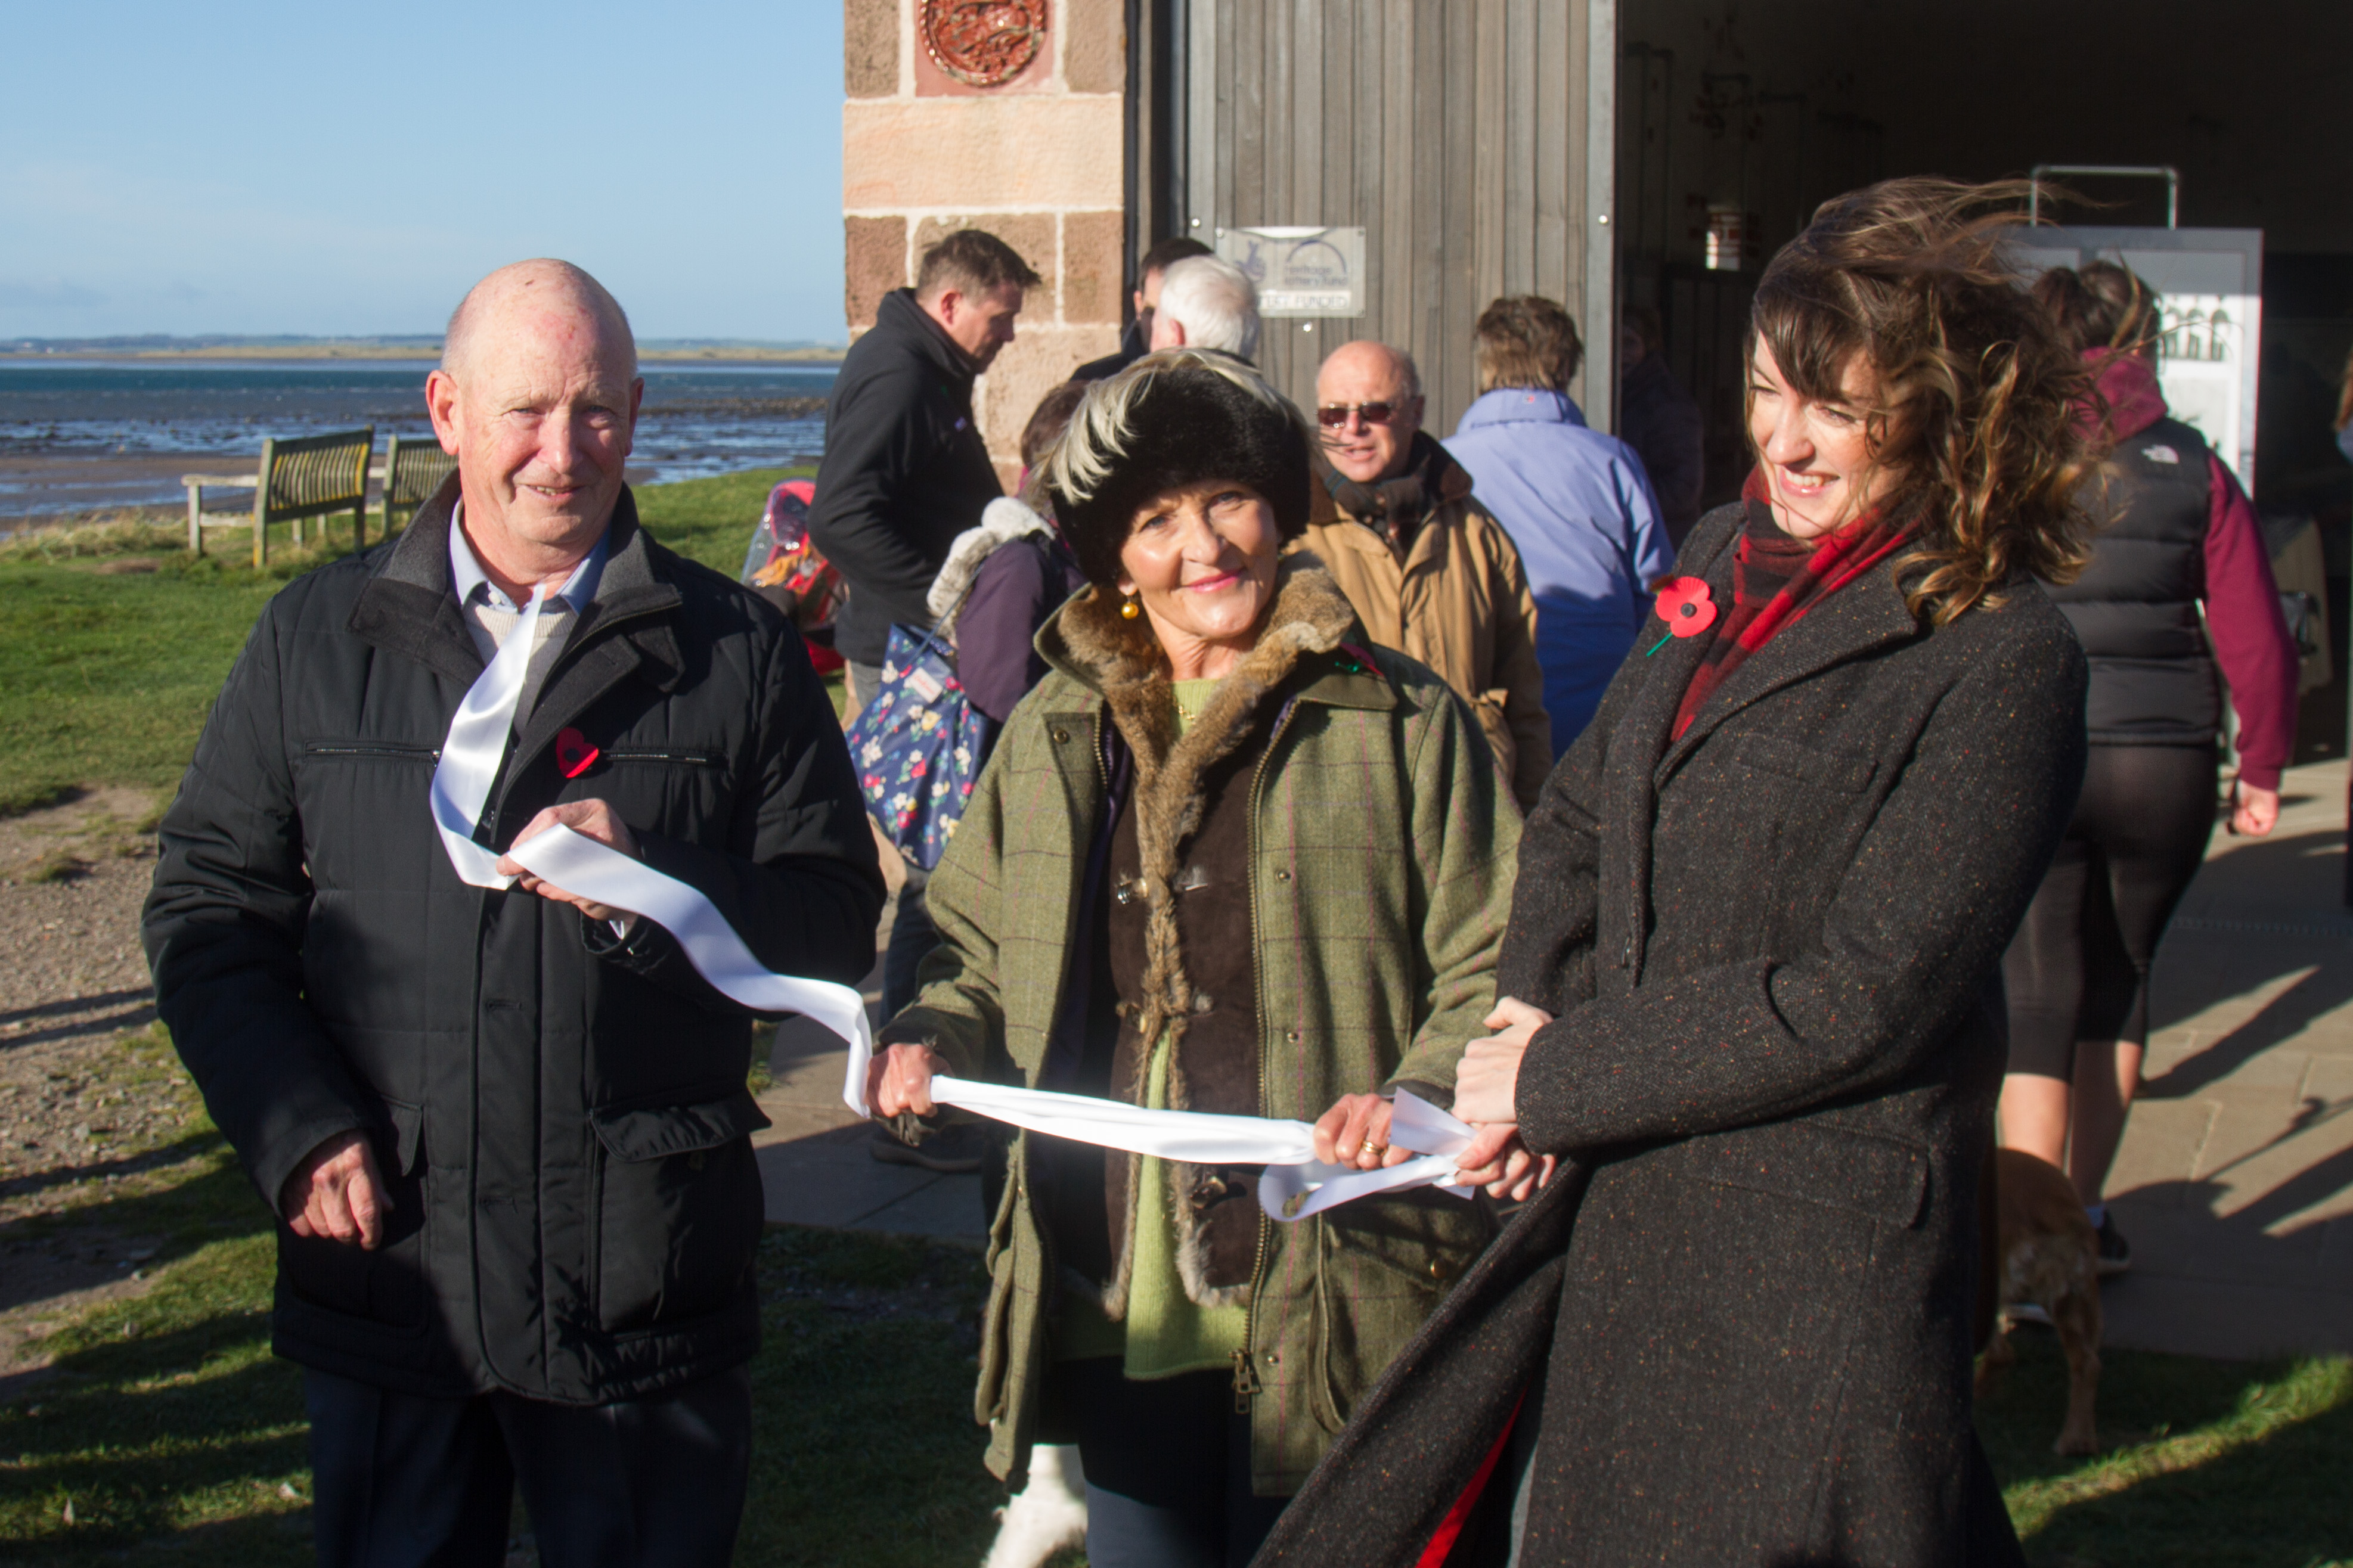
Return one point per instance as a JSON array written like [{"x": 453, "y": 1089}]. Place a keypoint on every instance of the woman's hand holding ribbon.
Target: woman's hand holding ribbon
[
  {"x": 1485, "y": 1095},
  {"x": 1356, "y": 1131},
  {"x": 898, "y": 1079}
]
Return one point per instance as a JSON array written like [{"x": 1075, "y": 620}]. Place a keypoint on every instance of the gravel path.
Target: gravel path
[
  {"x": 73, "y": 983},
  {"x": 72, "y": 879}
]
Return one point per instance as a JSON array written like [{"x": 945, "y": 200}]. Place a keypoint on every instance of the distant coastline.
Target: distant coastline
[{"x": 135, "y": 350}]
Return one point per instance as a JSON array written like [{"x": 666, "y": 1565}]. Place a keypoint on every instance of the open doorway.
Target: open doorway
[{"x": 1734, "y": 121}]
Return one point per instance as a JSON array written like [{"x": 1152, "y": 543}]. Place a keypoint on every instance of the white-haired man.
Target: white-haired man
[
  {"x": 1207, "y": 302},
  {"x": 505, "y": 1130}
]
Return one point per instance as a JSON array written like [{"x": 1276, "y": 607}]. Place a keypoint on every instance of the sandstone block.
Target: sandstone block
[
  {"x": 875, "y": 252},
  {"x": 1093, "y": 250},
  {"x": 870, "y": 47},
  {"x": 977, "y": 154},
  {"x": 1038, "y": 360},
  {"x": 1095, "y": 53}
]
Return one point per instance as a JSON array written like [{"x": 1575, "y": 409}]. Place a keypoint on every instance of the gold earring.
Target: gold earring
[{"x": 1131, "y": 609}]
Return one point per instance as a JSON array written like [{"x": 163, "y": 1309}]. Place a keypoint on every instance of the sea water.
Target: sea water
[{"x": 94, "y": 434}]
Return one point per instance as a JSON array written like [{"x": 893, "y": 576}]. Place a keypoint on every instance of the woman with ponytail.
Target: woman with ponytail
[{"x": 1752, "y": 977}]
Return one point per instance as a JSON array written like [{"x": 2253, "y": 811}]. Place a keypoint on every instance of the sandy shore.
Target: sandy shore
[
  {"x": 38, "y": 491},
  {"x": 31, "y": 487}
]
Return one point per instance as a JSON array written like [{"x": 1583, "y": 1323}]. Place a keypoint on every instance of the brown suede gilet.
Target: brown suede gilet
[{"x": 1215, "y": 1067}]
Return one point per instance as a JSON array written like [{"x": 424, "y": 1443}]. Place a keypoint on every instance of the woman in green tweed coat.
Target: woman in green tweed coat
[{"x": 1227, "y": 858}]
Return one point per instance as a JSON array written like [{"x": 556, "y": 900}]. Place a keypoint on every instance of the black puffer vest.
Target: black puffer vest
[{"x": 2134, "y": 608}]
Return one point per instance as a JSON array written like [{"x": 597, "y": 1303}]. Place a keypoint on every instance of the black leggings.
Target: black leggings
[{"x": 2078, "y": 968}]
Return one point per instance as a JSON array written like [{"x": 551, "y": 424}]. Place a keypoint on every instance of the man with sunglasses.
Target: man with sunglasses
[{"x": 1428, "y": 571}]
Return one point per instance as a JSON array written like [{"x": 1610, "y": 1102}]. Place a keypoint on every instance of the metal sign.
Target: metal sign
[
  {"x": 2209, "y": 284},
  {"x": 1301, "y": 271}
]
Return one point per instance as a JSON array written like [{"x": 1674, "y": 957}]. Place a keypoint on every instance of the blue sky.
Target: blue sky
[{"x": 689, "y": 153}]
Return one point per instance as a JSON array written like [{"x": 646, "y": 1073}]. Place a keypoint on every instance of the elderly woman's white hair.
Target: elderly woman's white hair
[{"x": 1215, "y": 300}]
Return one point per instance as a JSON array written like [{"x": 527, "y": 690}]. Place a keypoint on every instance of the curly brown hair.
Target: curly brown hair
[{"x": 1974, "y": 414}]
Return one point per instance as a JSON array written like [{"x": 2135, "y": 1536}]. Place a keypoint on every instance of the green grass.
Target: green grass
[
  {"x": 106, "y": 676},
  {"x": 170, "y": 1423},
  {"x": 2215, "y": 1464}
]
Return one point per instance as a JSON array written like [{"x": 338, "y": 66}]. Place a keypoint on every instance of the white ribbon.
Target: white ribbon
[
  {"x": 1295, "y": 1184},
  {"x": 579, "y": 865}
]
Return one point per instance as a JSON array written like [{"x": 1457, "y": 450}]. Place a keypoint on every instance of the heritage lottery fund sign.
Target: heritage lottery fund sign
[{"x": 1301, "y": 271}]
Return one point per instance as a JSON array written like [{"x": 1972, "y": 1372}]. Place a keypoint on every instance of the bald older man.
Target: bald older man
[
  {"x": 1428, "y": 569},
  {"x": 505, "y": 1134}
]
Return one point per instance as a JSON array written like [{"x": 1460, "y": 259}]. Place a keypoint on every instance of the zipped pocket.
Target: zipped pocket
[
  {"x": 373, "y": 749},
  {"x": 688, "y": 759}
]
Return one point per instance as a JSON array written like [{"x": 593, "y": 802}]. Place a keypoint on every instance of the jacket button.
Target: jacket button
[
  {"x": 1292, "y": 1035},
  {"x": 1283, "y": 874},
  {"x": 1062, "y": 737},
  {"x": 1202, "y": 1002}
]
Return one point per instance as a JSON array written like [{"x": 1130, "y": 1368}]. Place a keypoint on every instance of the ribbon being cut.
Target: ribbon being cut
[{"x": 1295, "y": 1184}]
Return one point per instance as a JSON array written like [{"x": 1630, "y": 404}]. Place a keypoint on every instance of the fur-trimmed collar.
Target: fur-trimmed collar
[
  {"x": 1002, "y": 522},
  {"x": 1089, "y": 641}
]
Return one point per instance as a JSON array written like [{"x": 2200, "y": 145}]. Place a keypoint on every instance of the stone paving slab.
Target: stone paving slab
[{"x": 2234, "y": 1182}]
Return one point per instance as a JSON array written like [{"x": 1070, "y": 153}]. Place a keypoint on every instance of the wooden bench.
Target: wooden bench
[
  {"x": 311, "y": 476},
  {"x": 413, "y": 470}
]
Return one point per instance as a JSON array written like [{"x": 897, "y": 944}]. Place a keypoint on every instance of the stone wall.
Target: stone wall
[{"x": 1035, "y": 160}]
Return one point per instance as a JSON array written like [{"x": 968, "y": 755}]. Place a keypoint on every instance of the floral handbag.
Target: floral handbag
[{"x": 919, "y": 745}]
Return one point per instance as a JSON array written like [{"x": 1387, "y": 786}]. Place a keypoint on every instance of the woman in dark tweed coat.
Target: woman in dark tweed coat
[{"x": 1752, "y": 967}]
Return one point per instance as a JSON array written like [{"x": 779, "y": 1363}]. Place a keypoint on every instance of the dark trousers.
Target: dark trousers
[
  {"x": 912, "y": 935},
  {"x": 1169, "y": 1468},
  {"x": 405, "y": 1481},
  {"x": 2078, "y": 968}
]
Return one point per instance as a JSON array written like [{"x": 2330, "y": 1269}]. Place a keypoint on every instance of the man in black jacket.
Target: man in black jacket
[
  {"x": 905, "y": 469},
  {"x": 507, "y": 1140}
]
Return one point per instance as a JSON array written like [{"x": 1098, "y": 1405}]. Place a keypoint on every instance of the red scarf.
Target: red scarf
[{"x": 1775, "y": 583}]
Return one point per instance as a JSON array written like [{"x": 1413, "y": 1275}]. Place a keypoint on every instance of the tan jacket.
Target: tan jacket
[{"x": 1460, "y": 603}]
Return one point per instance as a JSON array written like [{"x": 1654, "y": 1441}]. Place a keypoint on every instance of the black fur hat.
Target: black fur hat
[{"x": 1173, "y": 419}]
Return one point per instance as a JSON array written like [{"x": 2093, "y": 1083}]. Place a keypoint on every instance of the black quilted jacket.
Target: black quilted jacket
[{"x": 563, "y": 1120}]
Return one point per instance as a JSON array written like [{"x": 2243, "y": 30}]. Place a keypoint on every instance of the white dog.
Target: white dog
[{"x": 1045, "y": 1516}]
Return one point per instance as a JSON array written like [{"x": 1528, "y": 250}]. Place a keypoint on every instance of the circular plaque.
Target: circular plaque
[{"x": 983, "y": 43}]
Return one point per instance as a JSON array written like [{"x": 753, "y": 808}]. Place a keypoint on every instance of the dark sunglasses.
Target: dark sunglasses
[{"x": 1331, "y": 415}]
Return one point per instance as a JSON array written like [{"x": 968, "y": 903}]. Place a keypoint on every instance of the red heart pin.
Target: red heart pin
[
  {"x": 574, "y": 754},
  {"x": 1685, "y": 605}
]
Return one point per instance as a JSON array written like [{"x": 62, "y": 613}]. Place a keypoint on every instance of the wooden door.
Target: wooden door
[{"x": 1473, "y": 141}]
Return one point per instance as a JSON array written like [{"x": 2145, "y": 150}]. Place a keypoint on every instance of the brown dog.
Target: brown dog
[{"x": 2050, "y": 1257}]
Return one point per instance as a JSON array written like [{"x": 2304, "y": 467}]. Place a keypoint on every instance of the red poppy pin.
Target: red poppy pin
[
  {"x": 1684, "y": 604},
  {"x": 574, "y": 756}
]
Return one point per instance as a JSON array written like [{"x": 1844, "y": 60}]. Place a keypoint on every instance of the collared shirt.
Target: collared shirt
[{"x": 490, "y": 614}]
